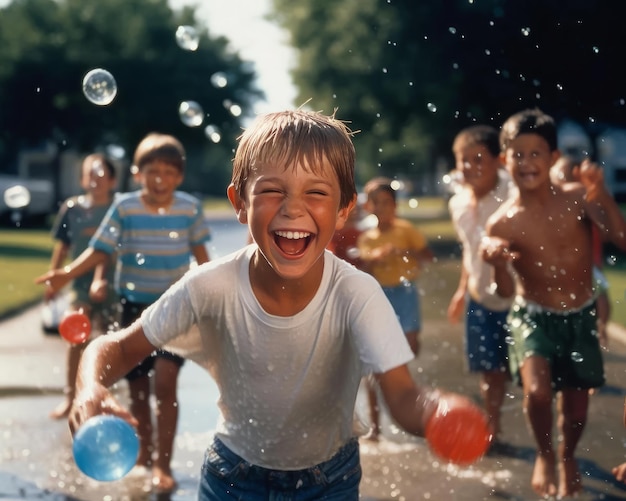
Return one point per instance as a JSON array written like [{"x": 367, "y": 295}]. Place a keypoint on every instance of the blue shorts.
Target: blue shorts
[
  {"x": 406, "y": 303},
  {"x": 485, "y": 338},
  {"x": 225, "y": 475}
]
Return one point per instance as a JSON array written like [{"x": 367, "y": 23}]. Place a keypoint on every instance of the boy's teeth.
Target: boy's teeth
[{"x": 292, "y": 235}]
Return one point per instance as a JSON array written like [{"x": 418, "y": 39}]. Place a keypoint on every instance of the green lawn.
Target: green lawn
[{"x": 24, "y": 254}]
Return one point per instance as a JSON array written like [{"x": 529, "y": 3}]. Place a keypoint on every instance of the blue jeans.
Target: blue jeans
[{"x": 226, "y": 476}]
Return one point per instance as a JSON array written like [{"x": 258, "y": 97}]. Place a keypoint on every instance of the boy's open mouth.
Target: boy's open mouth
[{"x": 292, "y": 243}]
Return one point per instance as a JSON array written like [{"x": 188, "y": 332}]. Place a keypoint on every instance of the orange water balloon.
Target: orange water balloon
[
  {"x": 458, "y": 431},
  {"x": 75, "y": 327}
]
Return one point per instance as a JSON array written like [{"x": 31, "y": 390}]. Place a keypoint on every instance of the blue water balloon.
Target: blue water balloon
[{"x": 105, "y": 448}]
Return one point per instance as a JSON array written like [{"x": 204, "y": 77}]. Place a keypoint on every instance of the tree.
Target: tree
[
  {"x": 410, "y": 74},
  {"x": 48, "y": 46}
]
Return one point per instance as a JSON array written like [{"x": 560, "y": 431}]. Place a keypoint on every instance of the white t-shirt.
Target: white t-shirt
[
  {"x": 287, "y": 385},
  {"x": 469, "y": 221}
]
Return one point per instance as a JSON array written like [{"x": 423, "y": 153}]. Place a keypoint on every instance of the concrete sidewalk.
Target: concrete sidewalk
[{"x": 36, "y": 460}]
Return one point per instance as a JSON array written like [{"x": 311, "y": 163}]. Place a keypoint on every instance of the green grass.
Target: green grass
[{"x": 24, "y": 255}]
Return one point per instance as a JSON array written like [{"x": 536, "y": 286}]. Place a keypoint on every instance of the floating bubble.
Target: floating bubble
[
  {"x": 219, "y": 80},
  {"x": 213, "y": 133},
  {"x": 75, "y": 327},
  {"x": 17, "y": 197},
  {"x": 191, "y": 113},
  {"x": 99, "y": 87},
  {"x": 105, "y": 448},
  {"x": 187, "y": 38}
]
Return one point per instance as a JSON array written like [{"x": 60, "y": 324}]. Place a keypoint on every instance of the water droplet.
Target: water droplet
[
  {"x": 140, "y": 258},
  {"x": 577, "y": 357},
  {"x": 187, "y": 38},
  {"x": 509, "y": 340},
  {"x": 431, "y": 107},
  {"x": 99, "y": 87}
]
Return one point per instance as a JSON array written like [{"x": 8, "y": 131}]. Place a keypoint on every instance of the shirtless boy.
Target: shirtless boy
[{"x": 540, "y": 245}]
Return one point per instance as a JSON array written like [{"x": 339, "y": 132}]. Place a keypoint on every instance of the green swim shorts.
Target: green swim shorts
[{"x": 568, "y": 340}]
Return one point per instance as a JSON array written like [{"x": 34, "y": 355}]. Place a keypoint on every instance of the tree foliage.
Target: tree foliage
[
  {"x": 410, "y": 74},
  {"x": 47, "y": 46}
]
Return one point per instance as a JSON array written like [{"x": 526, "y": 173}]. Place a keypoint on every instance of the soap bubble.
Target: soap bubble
[
  {"x": 191, "y": 113},
  {"x": 187, "y": 38},
  {"x": 99, "y": 87},
  {"x": 17, "y": 197}
]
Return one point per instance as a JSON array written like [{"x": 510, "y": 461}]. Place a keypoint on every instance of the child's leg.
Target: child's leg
[
  {"x": 139, "y": 389},
  {"x": 492, "y": 389},
  {"x": 603, "y": 308},
  {"x": 573, "y": 408},
  {"x": 62, "y": 410},
  {"x": 537, "y": 380},
  {"x": 165, "y": 383}
]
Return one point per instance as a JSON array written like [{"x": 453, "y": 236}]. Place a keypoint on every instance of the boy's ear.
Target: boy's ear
[
  {"x": 238, "y": 204},
  {"x": 343, "y": 214}
]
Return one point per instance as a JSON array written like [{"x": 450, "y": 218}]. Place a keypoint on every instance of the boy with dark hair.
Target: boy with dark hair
[
  {"x": 393, "y": 252},
  {"x": 485, "y": 186},
  {"x": 540, "y": 245},
  {"x": 92, "y": 293}
]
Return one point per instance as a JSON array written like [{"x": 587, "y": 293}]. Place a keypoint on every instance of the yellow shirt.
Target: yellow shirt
[{"x": 397, "y": 267}]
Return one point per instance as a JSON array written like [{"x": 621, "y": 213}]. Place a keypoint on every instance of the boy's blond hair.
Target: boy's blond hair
[
  {"x": 297, "y": 137},
  {"x": 162, "y": 147}
]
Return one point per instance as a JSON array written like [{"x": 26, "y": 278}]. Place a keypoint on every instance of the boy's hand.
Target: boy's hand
[
  {"x": 98, "y": 290},
  {"x": 95, "y": 401},
  {"x": 592, "y": 178},
  {"x": 54, "y": 280},
  {"x": 496, "y": 251}
]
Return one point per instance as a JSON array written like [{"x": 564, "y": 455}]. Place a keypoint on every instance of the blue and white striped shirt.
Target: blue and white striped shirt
[{"x": 153, "y": 249}]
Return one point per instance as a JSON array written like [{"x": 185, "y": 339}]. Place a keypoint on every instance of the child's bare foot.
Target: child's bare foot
[
  {"x": 62, "y": 410},
  {"x": 163, "y": 481},
  {"x": 569, "y": 478},
  {"x": 544, "y": 475}
]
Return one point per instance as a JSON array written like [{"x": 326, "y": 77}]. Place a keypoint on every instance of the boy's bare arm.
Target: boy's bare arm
[
  {"x": 56, "y": 279},
  {"x": 106, "y": 360},
  {"x": 410, "y": 405},
  {"x": 496, "y": 251},
  {"x": 457, "y": 302},
  {"x": 200, "y": 253},
  {"x": 59, "y": 255}
]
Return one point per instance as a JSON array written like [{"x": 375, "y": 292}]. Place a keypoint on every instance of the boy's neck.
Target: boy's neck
[
  {"x": 99, "y": 199},
  {"x": 283, "y": 297}
]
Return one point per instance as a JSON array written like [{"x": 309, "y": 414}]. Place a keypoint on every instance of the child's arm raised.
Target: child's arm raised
[{"x": 601, "y": 206}]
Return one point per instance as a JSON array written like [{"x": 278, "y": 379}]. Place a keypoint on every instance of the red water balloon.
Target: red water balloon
[
  {"x": 458, "y": 432},
  {"x": 75, "y": 327}
]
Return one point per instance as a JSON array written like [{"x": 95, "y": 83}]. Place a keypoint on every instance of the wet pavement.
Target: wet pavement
[{"x": 35, "y": 452}]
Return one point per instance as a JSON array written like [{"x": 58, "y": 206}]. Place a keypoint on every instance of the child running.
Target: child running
[
  {"x": 485, "y": 186},
  {"x": 545, "y": 233},
  {"x": 92, "y": 294},
  {"x": 155, "y": 232},
  {"x": 286, "y": 328}
]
